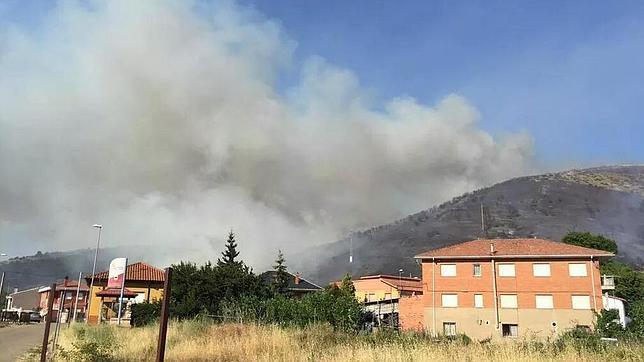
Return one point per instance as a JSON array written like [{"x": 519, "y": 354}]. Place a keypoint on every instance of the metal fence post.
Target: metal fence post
[
  {"x": 45, "y": 338},
  {"x": 165, "y": 313}
]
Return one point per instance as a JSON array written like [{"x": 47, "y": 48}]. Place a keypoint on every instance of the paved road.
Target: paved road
[{"x": 16, "y": 340}]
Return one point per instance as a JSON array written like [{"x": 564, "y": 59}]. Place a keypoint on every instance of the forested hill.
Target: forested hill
[{"x": 606, "y": 200}]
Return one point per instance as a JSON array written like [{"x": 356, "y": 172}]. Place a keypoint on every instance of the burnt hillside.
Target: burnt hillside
[{"x": 607, "y": 200}]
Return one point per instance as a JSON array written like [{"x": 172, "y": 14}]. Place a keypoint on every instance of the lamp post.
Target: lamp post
[
  {"x": 2, "y": 278},
  {"x": 91, "y": 285},
  {"x": 400, "y": 290}
]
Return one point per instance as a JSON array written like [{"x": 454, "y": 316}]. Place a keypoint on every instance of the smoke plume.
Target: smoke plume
[{"x": 162, "y": 121}]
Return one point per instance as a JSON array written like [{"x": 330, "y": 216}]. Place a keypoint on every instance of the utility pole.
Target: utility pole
[
  {"x": 61, "y": 306},
  {"x": 165, "y": 314},
  {"x": 80, "y": 275},
  {"x": 121, "y": 294},
  {"x": 91, "y": 286},
  {"x": 50, "y": 307},
  {"x": 1, "y": 284}
]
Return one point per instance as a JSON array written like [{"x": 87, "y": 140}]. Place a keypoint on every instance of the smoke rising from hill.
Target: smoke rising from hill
[{"x": 162, "y": 121}]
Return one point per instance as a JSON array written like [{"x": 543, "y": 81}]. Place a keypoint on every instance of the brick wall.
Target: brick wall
[{"x": 411, "y": 314}]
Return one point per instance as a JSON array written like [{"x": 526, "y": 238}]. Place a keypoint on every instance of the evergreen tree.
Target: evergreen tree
[
  {"x": 229, "y": 255},
  {"x": 280, "y": 282},
  {"x": 347, "y": 286}
]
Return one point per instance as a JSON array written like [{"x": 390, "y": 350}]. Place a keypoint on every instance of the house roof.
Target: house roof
[
  {"x": 116, "y": 293},
  {"x": 37, "y": 289},
  {"x": 400, "y": 283},
  {"x": 512, "y": 248},
  {"x": 137, "y": 272},
  {"x": 304, "y": 285}
]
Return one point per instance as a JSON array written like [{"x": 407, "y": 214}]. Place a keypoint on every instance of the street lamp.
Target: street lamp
[{"x": 91, "y": 285}]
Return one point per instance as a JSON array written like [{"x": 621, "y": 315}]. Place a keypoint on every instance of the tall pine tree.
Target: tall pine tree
[
  {"x": 229, "y": 255},
  {"x": 280, "y": 282}
]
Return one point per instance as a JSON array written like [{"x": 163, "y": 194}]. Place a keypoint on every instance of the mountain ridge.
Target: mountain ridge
[{"x": 606, "y": 199}]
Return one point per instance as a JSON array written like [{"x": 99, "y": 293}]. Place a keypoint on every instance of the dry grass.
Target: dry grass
[{"x": 235, "y": 342}]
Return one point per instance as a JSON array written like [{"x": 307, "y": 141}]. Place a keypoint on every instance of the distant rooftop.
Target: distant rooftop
[
  {"x": 399, "y": 282},
  {"x": 512, "y": 248},
  {"x": 295, "y": 282}
]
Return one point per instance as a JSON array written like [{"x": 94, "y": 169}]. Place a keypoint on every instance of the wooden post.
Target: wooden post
[
  {"x": 165, "y": 313},
  {"x": 45, "y": 338}
]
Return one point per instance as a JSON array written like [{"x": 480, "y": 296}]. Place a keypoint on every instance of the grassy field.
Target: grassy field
[{"x": 194, "y": 340}]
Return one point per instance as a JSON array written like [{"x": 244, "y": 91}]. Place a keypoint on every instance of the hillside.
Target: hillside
[
  {"x": 607, "y": 200},
  {"x": 43, "y": 268}
]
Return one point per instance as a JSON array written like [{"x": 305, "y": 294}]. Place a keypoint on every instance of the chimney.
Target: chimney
[
  {"x": 66, "y": 281},
  {"x": 492, "y": 251},
  {"x": 15, "y": 290},
  {"x": 297, "y": 278}
]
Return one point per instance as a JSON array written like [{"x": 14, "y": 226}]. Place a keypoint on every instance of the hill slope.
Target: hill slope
[{"x": 607, "y": 200}]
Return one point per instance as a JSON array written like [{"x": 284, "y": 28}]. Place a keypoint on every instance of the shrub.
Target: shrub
[
  {"x": 145, "y": 313},
  {"x": 91, "y": 344}
]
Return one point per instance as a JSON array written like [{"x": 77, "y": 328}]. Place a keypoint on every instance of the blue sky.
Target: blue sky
[{"x": 569, "y": 73}]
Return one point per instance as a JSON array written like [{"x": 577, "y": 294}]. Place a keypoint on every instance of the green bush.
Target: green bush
[
  {"x": 145, "y": 313},
  {"x": 334, "y": 306},
  {"x": 91, "y": 344}
]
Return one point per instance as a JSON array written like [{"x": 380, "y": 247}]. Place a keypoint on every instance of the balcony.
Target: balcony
[{"x": 608, "y": 282}]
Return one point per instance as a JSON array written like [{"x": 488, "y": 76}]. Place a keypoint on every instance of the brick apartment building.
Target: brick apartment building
[
  {"x": 67, "y": 291},
  {"x": 507, "y": 288}
]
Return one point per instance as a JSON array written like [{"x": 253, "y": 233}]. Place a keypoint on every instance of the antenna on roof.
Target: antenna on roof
[
  {"x": 482, "y": 220},
  {"x": 351, "y": 248}
]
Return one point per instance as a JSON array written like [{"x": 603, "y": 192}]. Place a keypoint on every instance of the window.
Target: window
[
  {"x": 506, "y": 270},
  {"x": 449, "y": 300},
  {"x": 541, "y": 270},
  {"x": 477, "y": 270},
  {"x": 371, "y": 297},
  {"x": 449, "y": 328},
  {"x": 580, "y": 302},
  {"x": 478, "y": 300},
  {"x": 510, "y": 330},
  {"x": 387, "y": 296},
  {"x": 544, "y": 301},
  {"x": 577, "y": 269},
  {"x": 508, "y": 300},
  {"x": 448, "y": 270},
  {"x": 69, "y": 296}
]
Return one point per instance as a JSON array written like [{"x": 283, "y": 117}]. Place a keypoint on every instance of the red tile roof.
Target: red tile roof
[
  {"x": 509, "y": 248},
  {"x": 138, "y": 271}
]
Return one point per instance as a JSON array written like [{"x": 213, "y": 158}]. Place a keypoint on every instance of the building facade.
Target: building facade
[
  {"x": 65, "y": 300},
  {"x": 374, "y": 288},
  {"x": 510, "y": 288},
  {"x": 27, "y": 299},
  {"x": 143, "y": 283}
]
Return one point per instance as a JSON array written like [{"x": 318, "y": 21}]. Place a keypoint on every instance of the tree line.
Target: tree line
[
  {"x": 629, "y": 285},
  {"x": 230, "y": 290}
]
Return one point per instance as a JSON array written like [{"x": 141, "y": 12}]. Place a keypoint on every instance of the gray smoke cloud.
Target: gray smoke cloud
[{"x": 162, "y": 121}]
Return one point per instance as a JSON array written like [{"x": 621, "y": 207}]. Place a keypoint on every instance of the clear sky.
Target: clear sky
[{"x": 569, "y": 73}]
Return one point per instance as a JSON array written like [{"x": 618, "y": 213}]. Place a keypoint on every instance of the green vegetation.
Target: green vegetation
[
  {"x": 589, "y": 240},
  {"x": 629, "y": 285},
  {"x": 279, "y": 285}
]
